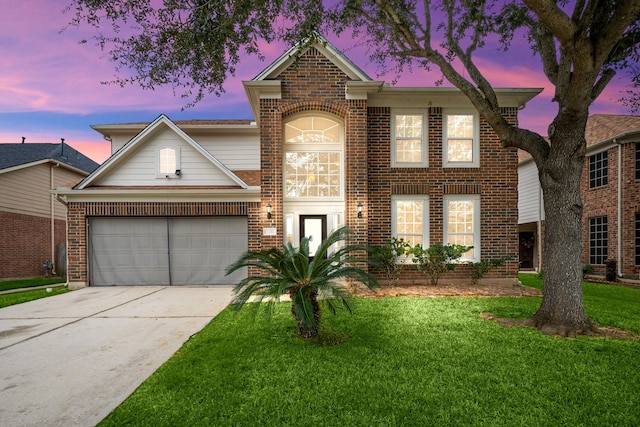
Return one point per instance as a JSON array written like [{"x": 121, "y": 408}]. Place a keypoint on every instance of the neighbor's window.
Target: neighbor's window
[
  {"x": 410, "y": 219},
  {"x": 313, "y": 157},
  {"x": 598, "y": 240},
  {"x": 637, "y": 160},
  {"x": 462, "y": 223},
  {"x": 598, "y": 169},
  {"x": 637, "y": 238},
  {"x": 168, "y": 161},
  {"x": 409, "y": 141},
  {"x": 461, "y": 138}
]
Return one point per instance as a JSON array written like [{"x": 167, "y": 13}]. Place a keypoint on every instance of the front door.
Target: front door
[
  {"x": 314, "y": 227},
  {"x": 527, "y": 243}
]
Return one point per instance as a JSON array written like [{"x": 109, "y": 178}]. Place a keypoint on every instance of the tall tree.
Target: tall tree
[{"x": 196, "y": 44}]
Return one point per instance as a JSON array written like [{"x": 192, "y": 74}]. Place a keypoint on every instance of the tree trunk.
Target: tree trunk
[
  {"x": 562, "y": 309},
  {"x": 304, "y": 330}
]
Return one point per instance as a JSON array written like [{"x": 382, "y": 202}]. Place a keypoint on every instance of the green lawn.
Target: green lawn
[
  {"x": 29, "y": 283},
  {"x": 405, "y": 362},
  {"x": 27, "y": 295}
]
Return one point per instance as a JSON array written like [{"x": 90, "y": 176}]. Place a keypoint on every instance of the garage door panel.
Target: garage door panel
[{"x": 135, "y": 251}]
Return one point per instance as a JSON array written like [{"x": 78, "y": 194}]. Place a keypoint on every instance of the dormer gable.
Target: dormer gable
[{"x": 162, "y": 155}]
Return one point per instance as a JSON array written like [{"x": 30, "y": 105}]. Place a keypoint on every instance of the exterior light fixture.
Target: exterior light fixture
[
  {"x": 268, "y": 210},
  {"x": 359, "y": 209}
]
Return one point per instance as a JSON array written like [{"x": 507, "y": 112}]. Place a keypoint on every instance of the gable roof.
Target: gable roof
[
  {"x": 606, "y": 127},
  {"x": 602, "y": 129},
  {"x": 325, "y": 47},
  {"x": 127, "y": 149},
  {"x": 14, "y": 156}
]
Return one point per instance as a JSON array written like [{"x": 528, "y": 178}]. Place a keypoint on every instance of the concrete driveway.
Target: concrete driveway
[{"x": 70, "y": 359}]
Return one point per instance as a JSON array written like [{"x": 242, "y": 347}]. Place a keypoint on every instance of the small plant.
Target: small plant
[
  {"x": 437, "y": 258},
  {"x": 386, "y": 258},
  {"x": 611, "y": 266},
  {"x": 587, "y": 269},
  {"x": 479, "y": 269}
]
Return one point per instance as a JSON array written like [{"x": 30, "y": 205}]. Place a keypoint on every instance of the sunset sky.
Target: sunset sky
[{"x": 50, "y": 83}]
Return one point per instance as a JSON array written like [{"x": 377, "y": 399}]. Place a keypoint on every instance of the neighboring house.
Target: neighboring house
[
  {"x": 32, "y": 221},
  {"x": 610, "y": 192},
  {"x": 178, "y": 201}
]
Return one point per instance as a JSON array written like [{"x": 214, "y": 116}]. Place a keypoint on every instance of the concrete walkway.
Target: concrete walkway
[{"x": 70, "y": 359}]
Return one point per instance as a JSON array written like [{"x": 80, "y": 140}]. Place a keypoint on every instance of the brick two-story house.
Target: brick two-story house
[
  {"x": 329, "y": 146},
  {"x": 610, "y": 193}
]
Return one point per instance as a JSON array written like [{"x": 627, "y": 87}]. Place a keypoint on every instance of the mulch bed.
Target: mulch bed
[{"x": 443, "y": 290}]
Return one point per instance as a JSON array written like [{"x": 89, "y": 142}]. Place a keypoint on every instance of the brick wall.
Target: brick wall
[
  {"x": 313, "y": 84},
  {"x": 25, "y": 244},
  {"x": 78, "y": 212},
  {"x": 603, "y": 201},
  {"x": 495, "y": 181}
]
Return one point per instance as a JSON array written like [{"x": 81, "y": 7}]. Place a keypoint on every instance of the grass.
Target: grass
[
  {"x": 27, "y": 295},
  {"x": 400, "y": 362},
  {"x": 29, "y": 283}
]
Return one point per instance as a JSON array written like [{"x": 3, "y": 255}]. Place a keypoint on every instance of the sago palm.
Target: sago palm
[{"x": 290, "y": 271}]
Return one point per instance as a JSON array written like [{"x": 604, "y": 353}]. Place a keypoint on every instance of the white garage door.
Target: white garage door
[{"x": 165, "y": 251}]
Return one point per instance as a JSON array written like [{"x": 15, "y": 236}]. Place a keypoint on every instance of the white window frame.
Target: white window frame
[
  {"x": 475, "y": 154},
  {"x": 425, "y": 215},
  {"x": 304, "y": 147},
  {"x": 173, "y": 174},
  {"x": 424, "y": 162},
  {"x": 476, "y": 223}
]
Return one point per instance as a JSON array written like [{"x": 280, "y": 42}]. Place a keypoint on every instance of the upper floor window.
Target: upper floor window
[
  {"x": 168, "y": 161},
  {"x": 409, "y": 140},
  {"x": 410, "y": 219},
  {"x": 313, "y": 157},
  {"x": 462, "y": 224},
  {"x": 461, "y": 140},
  {"x": 598, "y": 169},
  {"x": 637, "y": 160}
]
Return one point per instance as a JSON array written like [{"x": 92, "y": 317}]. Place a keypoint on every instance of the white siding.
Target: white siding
[
  {"x": 530, "y": 207},
  {"x": 236, "y": 150},
  {"x": 140, "y": 167},
  {"x": 239, "y": 151}
]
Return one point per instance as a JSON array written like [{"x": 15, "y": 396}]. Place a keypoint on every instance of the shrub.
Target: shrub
[
  {"x": 386, "y": 258},
  {"x": 437, "y": 258},
  {"x": 479, "y": 269},
  {"x": 587, "y": 269},
  {"x": 611, "y": 266}
]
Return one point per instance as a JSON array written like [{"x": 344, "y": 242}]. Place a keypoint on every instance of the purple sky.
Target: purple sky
[{"x": 50, "y": 83}]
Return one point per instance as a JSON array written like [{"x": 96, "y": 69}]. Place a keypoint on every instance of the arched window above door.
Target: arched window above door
[{"x": 313, "y": 157}]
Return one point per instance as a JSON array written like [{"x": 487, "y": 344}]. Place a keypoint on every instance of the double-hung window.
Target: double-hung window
[
  {"x": 462, "y": 224},
  {"x": 410, "y": 219},
  {"x": 598, "y": 169},
  {"x": 409, "y": 139},
  {"x": 461, "y": 139}
]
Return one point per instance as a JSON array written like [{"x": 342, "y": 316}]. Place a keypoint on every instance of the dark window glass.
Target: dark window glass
[
  {"x": 637, "y": 238},
  {"x": 637, "y": 161},
  {"x": 598, "y": 169},
  {"x": 598, "y": 240}
]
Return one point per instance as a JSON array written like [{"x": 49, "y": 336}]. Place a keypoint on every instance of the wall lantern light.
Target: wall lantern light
[
  {"x": 268, "y": 210},
  {"x": 359, "y": 209}
]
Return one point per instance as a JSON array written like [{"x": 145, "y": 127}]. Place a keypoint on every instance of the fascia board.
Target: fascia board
[{"x": 251, "y": 194}]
